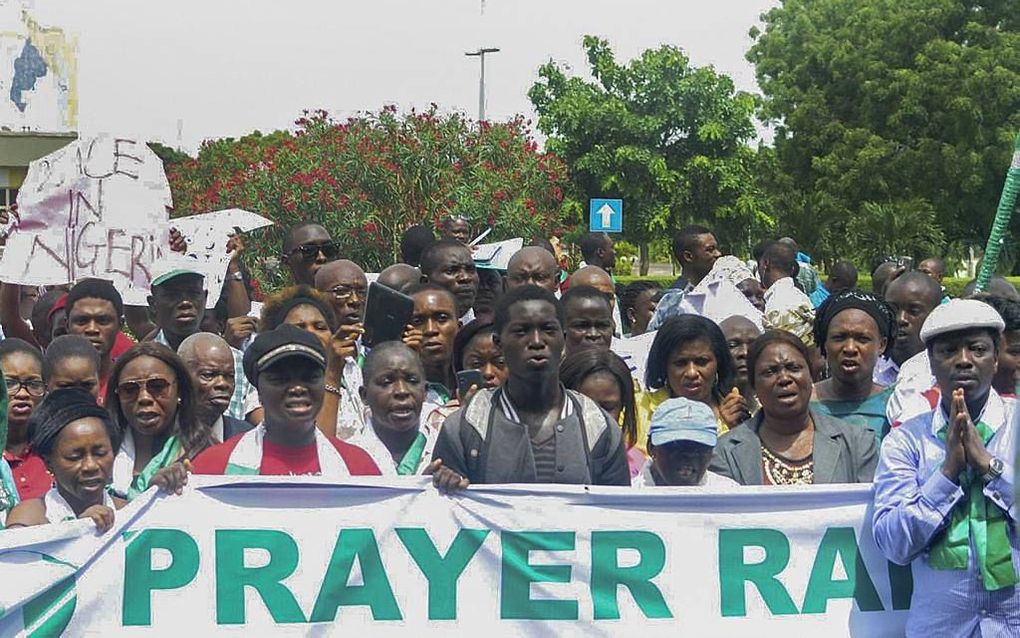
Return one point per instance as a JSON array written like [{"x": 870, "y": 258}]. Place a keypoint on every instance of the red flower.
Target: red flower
[{"x": 369, "y": 227}]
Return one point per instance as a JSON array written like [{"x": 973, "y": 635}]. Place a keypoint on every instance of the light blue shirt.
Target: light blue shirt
[
  {"x": 668, "y": 307},
  {"x": 819, "y": 296},
  {"x": 914, "y": 502}
]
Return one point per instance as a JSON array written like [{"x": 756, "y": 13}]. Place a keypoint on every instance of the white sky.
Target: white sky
[{"x": 227, "y": 67}]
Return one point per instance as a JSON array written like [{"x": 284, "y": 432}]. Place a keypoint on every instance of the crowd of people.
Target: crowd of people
[{"x": 758, "y": 373}]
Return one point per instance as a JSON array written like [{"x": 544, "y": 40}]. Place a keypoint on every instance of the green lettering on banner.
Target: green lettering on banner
[
  {"x": 607, "y": 575},
  {"x": 140, "y": 579},
  {"x": 376, "y": 592},
  {"x": 733, "y": 572},
  {"x": 442, "y": 572},
  {"x": 518, "y": 574},
  {"x": 842, "y": 542},
  {"x": 901, "y": 582},
  {"x": 232, "y": 576}
]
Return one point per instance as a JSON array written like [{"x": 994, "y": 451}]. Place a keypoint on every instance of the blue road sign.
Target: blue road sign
[{"x": 606, "y": 216}]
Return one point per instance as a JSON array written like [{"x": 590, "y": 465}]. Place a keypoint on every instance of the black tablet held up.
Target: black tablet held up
[{"x": 387, "y": 313}]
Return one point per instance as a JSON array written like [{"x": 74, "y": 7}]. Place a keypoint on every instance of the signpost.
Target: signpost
[{"x": 606, "y": 216}]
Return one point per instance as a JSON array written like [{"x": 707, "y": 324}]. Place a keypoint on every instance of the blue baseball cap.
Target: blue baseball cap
[{"x": 681, "y": 419}]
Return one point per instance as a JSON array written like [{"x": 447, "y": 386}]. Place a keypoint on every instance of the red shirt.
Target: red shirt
[
  {"x": 121, "y": 344},
  {"x": 281, "y": 460},
  {"x": 30, "y": 474}
]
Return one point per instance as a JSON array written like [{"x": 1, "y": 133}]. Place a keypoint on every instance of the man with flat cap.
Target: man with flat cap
[
  {"x": 287, "y": 365},
  {"x": 944, "y": 486}
]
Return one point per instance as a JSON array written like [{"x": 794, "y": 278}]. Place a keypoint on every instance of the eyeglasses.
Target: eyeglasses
[
  {"x": 34, "y": 387},
  {"x": 156, "y": 387},
  {"x": 309, "y": 251},
  {"x": 344, "y": 293}
]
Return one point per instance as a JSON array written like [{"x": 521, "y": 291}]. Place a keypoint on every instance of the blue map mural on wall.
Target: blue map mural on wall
[{"x": 28, "y": 68}]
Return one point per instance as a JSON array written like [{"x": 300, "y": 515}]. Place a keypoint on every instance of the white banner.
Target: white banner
[{"x": 299, "y": 555}]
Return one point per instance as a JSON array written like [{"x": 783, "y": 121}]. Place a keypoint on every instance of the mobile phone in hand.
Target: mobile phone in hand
[{"x": 468, "y": 378}]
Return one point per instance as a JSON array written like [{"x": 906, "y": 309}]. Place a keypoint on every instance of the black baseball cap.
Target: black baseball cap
[{"x": 283, "y": 342}]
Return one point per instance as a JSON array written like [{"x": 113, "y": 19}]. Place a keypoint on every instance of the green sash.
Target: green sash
[
  {"x": 978, "y": 518},
  {"x": 442, "y": 392},
  {"x": 8, "y": 489},
  {"x": 409, "y": 464},
  {"x": 171, "y": 451}
]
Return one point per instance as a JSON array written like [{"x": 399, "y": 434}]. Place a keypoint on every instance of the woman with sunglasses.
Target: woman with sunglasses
[
  {"x": 22, "y": 366},
  {"x": 78, "y": 441},
  {"x": 152, "y": 401}
]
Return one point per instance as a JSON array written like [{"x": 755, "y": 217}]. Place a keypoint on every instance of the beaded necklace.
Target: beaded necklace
[{"x": 780, "y": 471}]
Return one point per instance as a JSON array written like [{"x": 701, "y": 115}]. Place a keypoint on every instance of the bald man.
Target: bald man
[
  {"x": 399, "y": 277},
  {"x": 533, "y": 265},
  {"x": 603, "y": 282},
  {"x": 346, "y": 285},
  {"x": 211, "y": 363},
  {"x": 998, "y": 286}
]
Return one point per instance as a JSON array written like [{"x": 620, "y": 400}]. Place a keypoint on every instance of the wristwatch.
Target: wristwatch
[
  {"x": 236, "y": 276},
  {"x": 995, "y": 467}
]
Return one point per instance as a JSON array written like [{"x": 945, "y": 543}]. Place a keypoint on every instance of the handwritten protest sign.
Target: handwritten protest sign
[
  {"x": 96, "y": 208},
  {"x": 496, "y": 256},
  {"x": 207, "y": 236}
]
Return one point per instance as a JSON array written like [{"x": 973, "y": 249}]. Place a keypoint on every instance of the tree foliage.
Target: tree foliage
[
  {"x": 367, "y": 179},
  {"x": 889, "y": 103},
  {"x": 167, "y": 154},
  {"x": 667, "y": 137},
  {"x": 898, "y": 228}
]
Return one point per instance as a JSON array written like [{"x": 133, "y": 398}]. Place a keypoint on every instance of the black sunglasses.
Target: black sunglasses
[{"x": 309, "y": 251}]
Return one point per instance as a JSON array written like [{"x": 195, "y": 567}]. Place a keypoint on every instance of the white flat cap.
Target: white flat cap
[{"x": 960, "y": 314}]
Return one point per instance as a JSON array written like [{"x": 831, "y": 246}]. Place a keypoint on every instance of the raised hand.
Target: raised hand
[
  {"x": 238, "y": 330},
  {"x": 734, "y": 409},
  {"x": 956, "y": 453}
]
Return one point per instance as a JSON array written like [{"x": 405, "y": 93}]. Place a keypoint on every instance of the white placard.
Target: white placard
[
  {"x": 96, "y": 208},
  {"x": 207, "y": 236}
]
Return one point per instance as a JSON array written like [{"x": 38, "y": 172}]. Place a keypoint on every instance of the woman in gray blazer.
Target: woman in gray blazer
[{"x": 786, "y": 443}]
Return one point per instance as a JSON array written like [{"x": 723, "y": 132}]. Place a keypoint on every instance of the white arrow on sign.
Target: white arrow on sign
[{"x": 607, "y": 215}]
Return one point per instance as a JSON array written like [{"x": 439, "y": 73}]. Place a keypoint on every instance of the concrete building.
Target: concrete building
[{"x": 17, "y": 149}]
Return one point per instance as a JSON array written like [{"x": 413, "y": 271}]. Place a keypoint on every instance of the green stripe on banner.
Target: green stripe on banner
[{"x": 49, "y": 613}]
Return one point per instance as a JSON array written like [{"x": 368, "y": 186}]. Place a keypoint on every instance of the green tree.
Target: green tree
[
  {"x": 667, "y": 137},
  {"x": 888, "y": 103},
  {"x": 169, "y": 155},
  {"x": 899, "y": 228},
  {"x": 368, "y": 178}
]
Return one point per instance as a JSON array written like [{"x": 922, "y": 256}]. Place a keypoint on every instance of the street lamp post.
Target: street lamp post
[{"x": 480, "y": 54}]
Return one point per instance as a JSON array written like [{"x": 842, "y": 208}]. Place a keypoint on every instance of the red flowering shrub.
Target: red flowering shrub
[{"x": 369, "y": 178}]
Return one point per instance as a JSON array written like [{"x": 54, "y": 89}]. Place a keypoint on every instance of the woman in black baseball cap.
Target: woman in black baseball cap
[{"x": 286, "y": 365}]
